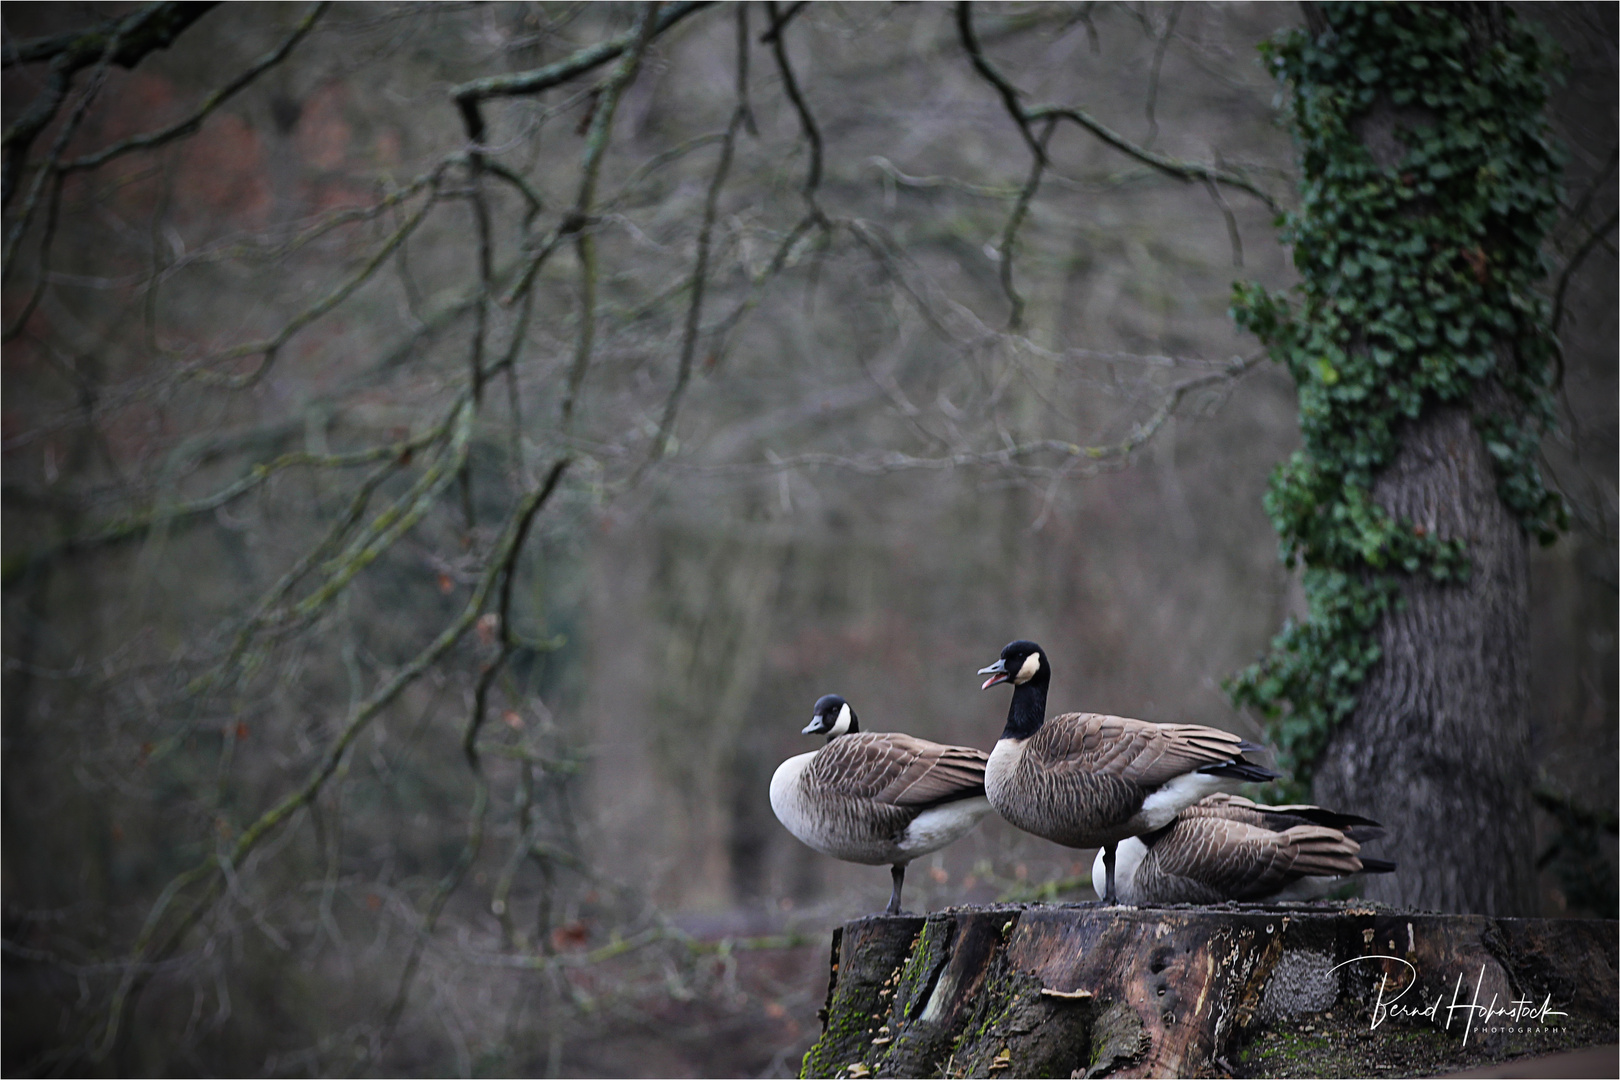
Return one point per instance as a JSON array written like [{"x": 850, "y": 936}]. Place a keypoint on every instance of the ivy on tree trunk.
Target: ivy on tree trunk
[{"x": 1425, "y": 366}]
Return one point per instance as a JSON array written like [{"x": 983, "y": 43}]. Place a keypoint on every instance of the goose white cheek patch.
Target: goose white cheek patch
[
  {"x": 842, "y": 727},
  {"x": 1027, "y": 671}
]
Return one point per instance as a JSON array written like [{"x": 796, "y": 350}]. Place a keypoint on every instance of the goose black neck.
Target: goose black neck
[{"x": 1028, "y": 710}]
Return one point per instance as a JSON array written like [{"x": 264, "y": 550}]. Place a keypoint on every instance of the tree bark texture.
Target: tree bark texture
[
  {"x": 1438, "y": 748},
  {"x": 1247, "y": 990}
]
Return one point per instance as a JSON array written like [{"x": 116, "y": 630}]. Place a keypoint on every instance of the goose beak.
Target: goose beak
[
  {"x": 816, "y": 726},
  {"x": 997, "y": 672}
]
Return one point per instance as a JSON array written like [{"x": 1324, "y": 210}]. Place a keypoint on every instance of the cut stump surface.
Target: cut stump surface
[{"x": 1237, "y": 990}]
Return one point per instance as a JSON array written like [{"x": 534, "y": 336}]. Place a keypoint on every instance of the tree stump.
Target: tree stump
[{"x": 1235, "y": 990}]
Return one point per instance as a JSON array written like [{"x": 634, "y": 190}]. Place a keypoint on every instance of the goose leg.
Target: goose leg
[
  {"x": 898, "y": 873},
  {"x": 1108, "y": 867}
]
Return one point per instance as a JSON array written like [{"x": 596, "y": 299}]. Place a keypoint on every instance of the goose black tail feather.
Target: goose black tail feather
[
  {"x": 1352, "y": 825},
  {"x": 1238, "y": 769},
  {"x": 1377, "y": 866}
]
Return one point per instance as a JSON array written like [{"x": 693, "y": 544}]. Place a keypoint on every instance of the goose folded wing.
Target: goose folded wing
[
  {"x": 1282, "y": 818},
  {"x": 901, "y": 770},
  {"x": 1352, "y": 825},
  {"x": 1235, "y": 808},
  {"x": 1148, "y": 754},
  {"x": 1319, "y": 851},
  {"x": 1235, "y": 860}
]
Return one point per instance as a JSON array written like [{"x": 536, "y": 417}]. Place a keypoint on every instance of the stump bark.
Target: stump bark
[{"x": 1237, "y": 990}]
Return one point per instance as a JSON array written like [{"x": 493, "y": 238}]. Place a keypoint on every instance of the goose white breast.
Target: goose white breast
[
  {"x": 877, "y": 798},
  {"x": 1088, "y": 780}
]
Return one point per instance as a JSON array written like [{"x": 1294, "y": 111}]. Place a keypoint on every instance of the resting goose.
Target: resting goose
[
  {"x": 1228, "y": 848},
  {"x": 877, "y": 797},
  {"x": 1084, "y": 780}
]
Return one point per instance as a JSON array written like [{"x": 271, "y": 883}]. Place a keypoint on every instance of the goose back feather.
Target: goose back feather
[
  {"x": 1084, "y": 779},
  {"x": 880, "y": 797},
  {"x": 1228, "y": 848}
]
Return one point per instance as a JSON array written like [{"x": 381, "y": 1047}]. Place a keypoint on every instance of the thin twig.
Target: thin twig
[
  {"x": 779, "y": 22},
  {"x": 1010, "y": 94},
  {"x": 507, "y": 567},
  {"x": 1025, "y": 118},
  {"x": 267, "y": 349},
  {"x": 1010, "y": 456},
  {"x": 1232, "y": 233},
  {"x": 596, "y": 141},
  {"x": 1159, "y": 50},
  {"x": 134, "y": 526},
  {"x": 1009, "y": 234},
  {"x": 124, "y": 42},
  {"x": 742, "y": 69},
  {"x": 47, "y": 170},
  {"x": 700, "y": 274},
  {"x": 1183, "y": 170},
  {"x": 807, "y": 121},
  {"x": 523, "y": 83},
  {"x": 150, "y": 944},
  {"x": 1574, "y": 264},
  {"x": 180, "y": 128}
]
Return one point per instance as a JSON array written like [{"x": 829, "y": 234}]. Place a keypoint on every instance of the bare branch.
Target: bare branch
[
  {"x": 587, "y": 59},
  {"x": 1160, "y": 48},
  {"x": 181, "y": 128},
  {"x": 1011, "y": 457},
  {"x": 150, "y": 944},
  {"x": 596, "y": 141},
  {"x": 1578, "y": 213},
  {"x": 700, "y": 274},
  {"x": 268, "y": 348},
  {"x": 1184, "y": 170},
  {"x": 1592, "y": 239},
  {"x": 1232, "y": 233},
  {"x": 124, "y": 42},
  {"x": 1009, "y": 235},
  {"x": 137, "y": 525},
  {"x": 1026, "y": 117},
  {"x": 146, "y": 30},
  {"x": 1010, "y": 94},
  {"x": 779, "y": 22},
  {"x": 807, "y": 121},
  {"x": 46, "y": 172}
]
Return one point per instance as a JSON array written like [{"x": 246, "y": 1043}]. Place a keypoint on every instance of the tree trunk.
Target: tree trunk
[
  {"x": 1245, "y": 990},
  {"x": 1438, "y": 748}
]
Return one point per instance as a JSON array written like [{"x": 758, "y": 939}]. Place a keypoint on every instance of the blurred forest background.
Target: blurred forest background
[{"x": 445, "y": 459}]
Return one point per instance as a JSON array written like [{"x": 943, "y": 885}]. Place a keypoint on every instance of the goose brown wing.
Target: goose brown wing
[
  {"x": 1279, "y": 818},
  {"x": 1146, "y": 754},
  {"x": 1236, "y": 808},
  {"x": 1208, "y": 858},
  {"x": 900, "y": 770},
  {"x": 1352, "y": 825}
]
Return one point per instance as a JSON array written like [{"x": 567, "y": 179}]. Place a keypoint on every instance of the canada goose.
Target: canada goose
[
  {"x": 1228, "y": 848},
  {"x": 1085, "y": 780},
  {"x": 877, "y": 797}
]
